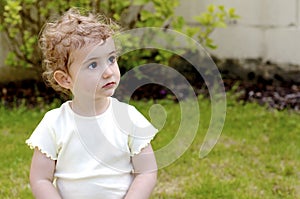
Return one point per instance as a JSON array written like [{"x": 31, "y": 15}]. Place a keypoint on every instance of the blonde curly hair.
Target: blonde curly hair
[{"x": 72, "y": 31}]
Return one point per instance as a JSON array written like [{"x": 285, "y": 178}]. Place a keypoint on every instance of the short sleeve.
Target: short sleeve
[
  {"x": 43, "y": 138},
  {"x": 142, "y": 132}
]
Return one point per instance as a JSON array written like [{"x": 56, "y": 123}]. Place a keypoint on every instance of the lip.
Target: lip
[{"x": 109, "y": 85}]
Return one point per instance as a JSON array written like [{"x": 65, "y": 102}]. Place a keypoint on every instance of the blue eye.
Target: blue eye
[
  {"x": 93, "y": 65},
  {"x": 112, "y": 59}
]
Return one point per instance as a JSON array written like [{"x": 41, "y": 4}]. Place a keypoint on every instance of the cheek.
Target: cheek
[{"x": 86, "y": 83}]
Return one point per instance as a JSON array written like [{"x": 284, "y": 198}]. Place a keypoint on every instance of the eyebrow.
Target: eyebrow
[
  {"x": 96, "y": 57},
  {"x": 112, "y": 52}
]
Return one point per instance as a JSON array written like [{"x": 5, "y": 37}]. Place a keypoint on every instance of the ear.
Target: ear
[{"x": 63, "y": 79}]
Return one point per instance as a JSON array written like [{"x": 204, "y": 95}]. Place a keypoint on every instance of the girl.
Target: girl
[{"x": 92, "y": 146}]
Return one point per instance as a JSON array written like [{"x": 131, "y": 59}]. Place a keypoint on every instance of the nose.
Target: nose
[{"x": 108, "y": 72}]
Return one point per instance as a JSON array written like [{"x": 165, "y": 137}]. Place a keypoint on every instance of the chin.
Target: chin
[{"x": 109, "y": 94}]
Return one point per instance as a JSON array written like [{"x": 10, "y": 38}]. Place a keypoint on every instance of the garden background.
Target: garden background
[{"x": 254, "y": 45}]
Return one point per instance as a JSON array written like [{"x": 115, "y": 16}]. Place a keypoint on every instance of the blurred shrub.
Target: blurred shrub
[{"x": 21, "y": 21}]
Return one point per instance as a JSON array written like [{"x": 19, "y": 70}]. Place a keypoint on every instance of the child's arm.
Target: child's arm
[
  {"x": 146, "y": 173},
  {"x": 41, "y": 176}
]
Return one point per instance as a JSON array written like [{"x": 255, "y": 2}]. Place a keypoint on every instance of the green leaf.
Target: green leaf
[
  {"x": 192, "y": 31},
  {"x": 117, "y": 16},
  {"x": 145, "y": 15},
  {"x": 221, "y": 8},
  {"x": 211, "y": 8},
  {"x": 30, "y": 1},
  {"x": 140, "y": 2},
  {"x": 10, "y": 59},
  {"x": 219, "y": 24},
  {"x": 209, "y": 43},
  {"x": 178, "y": 23},
  {"x": 232, "y": 14}
]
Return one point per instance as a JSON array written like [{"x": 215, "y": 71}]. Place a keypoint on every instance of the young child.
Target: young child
[{"x": 92, "y": 146}]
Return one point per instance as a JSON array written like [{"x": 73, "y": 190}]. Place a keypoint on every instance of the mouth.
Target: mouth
[{"x": 109, "y": 85}]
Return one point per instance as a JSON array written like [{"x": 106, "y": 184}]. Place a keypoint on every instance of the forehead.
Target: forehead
[{"x": 104, "y": 48}]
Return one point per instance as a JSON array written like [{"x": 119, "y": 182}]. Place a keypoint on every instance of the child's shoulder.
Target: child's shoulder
[
  {"x": 126, "y": 112},
  {"x": 120, "y": 106},
  {"x": 57, "y": 113}
]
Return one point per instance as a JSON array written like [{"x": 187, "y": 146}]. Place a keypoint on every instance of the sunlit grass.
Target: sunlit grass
[{"x": 257, "y": 155}]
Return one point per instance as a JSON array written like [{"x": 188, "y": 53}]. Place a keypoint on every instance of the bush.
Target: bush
[{"x": 21, "y": 21}]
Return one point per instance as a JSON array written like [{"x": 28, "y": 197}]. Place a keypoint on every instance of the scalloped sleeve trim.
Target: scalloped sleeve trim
[
  {"x": 137, "y": 146},
  {"x": 133, "y": 153},
  {"x": 33, "y": 146}
]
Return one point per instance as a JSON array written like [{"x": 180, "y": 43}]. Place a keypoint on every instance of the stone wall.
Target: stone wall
[{"x": 267, "y": 34}]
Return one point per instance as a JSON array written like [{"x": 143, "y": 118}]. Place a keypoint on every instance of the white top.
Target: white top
[{"x": 93, "y": 154}]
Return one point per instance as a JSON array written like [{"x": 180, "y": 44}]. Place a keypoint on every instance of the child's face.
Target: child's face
[{"x": 94, "y": 72}]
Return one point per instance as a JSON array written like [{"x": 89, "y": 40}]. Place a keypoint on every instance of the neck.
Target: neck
[{"x": 90, "y": 107}]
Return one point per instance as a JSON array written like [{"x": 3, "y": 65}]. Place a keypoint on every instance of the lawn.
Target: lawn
[{"x": 257, "y": 155}]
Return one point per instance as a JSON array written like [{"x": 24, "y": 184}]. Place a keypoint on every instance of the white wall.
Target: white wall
[{"x": 267, "y": 29}]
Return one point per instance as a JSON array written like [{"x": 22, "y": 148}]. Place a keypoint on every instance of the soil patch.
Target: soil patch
[{"x": 279, "y": 95}]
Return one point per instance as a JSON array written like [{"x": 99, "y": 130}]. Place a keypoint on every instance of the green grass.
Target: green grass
[{"x": 257, "y": 155}]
